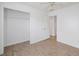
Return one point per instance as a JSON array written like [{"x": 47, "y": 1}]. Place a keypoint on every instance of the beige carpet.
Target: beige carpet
[{"x": 49, "y": 47}]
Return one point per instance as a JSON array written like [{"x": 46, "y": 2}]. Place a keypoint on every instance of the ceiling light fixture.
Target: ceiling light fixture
[{"x": 51, "y": 5}]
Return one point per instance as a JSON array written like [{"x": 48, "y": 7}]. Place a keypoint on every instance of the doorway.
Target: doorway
[
  {"x": 53, "y": 26},
  {"x": 16, "y": 27}
]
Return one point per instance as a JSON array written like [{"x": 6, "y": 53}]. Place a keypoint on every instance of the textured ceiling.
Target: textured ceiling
[{"x": 44, "y": 6}]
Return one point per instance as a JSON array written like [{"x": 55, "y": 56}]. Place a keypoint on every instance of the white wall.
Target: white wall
[
  {"x": 16, "y": 27},
  {"x": 38, "y": 22},
  {"x": 39, "y": 28},
  {"x": 68, "y": 25},
  {"x": 1, "y": 30}
]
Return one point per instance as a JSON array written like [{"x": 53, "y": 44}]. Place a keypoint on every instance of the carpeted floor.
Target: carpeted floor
[{"x": 49, "y": 47}]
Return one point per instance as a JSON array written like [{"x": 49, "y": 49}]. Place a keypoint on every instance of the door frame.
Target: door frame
[{"x": 54, "y": 18}]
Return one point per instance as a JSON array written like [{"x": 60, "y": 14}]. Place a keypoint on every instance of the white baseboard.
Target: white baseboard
[
  {"x": 73, "y": 45},
  {"x": 32, "y": 42},
  {"x": 13, "y": 43}
]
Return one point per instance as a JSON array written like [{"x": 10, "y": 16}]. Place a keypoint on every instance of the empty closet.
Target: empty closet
[{"x": 16, "y": 27}]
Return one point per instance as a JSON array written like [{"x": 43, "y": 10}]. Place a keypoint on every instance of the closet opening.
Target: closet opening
[{"x": 16, "y": 27}]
